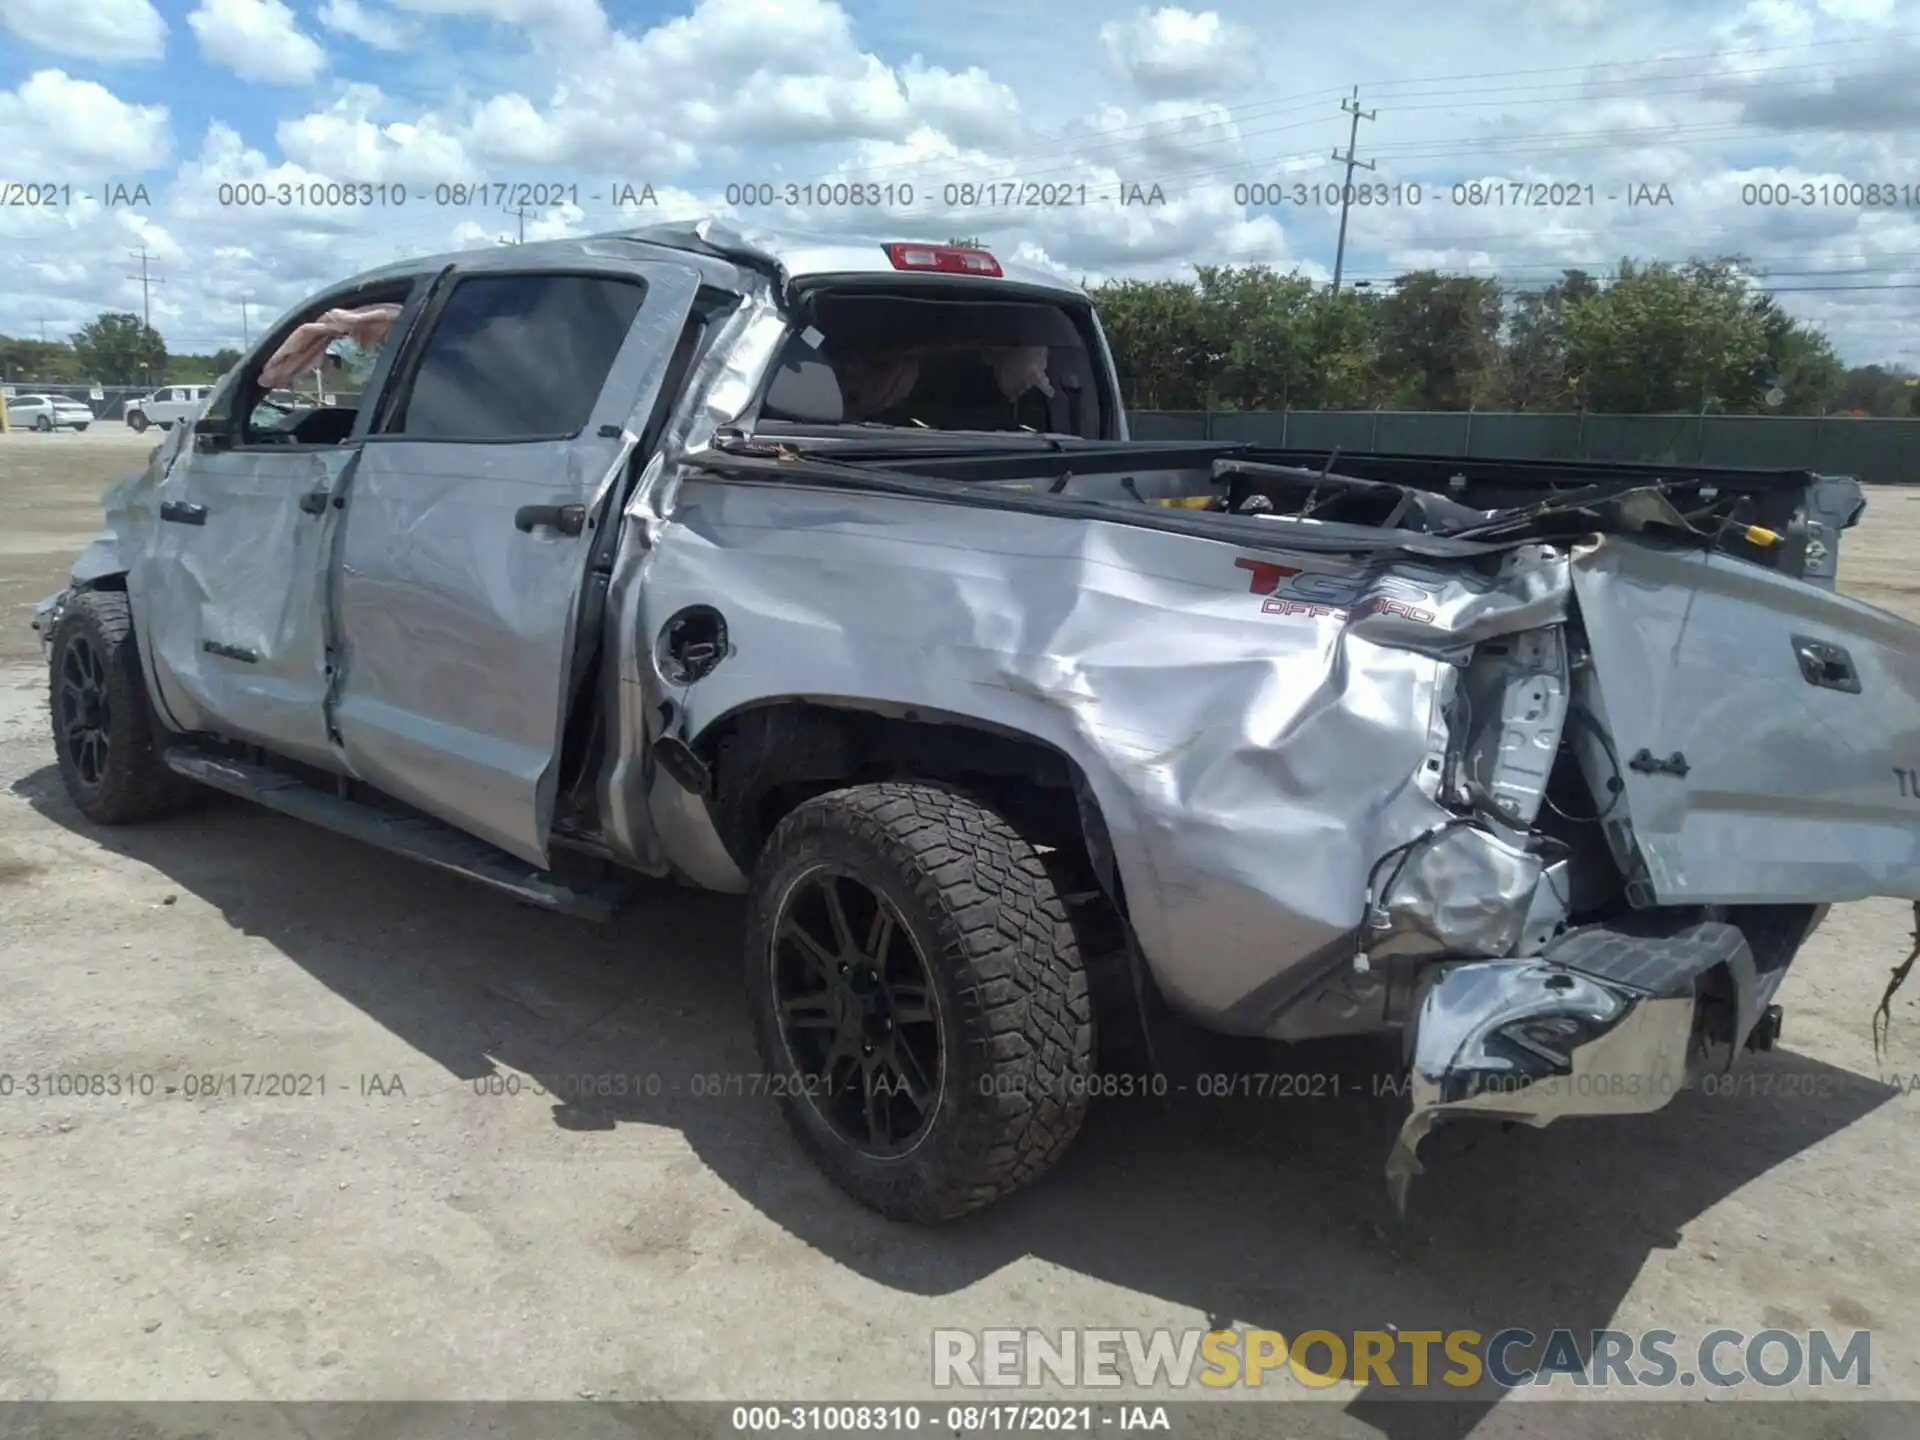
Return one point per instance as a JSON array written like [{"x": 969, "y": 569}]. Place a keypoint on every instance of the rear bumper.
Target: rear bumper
[{"x": 1604, "y": 1022}]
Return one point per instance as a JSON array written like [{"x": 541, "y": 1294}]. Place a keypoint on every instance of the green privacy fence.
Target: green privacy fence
[{"x": 1885, "y": 452}]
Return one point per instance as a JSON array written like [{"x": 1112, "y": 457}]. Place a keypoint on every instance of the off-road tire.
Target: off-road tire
[
  {"x": 134, "y": 783},
  {"x": 138, "y": 422},
  {"x": 1016, "y": 1019}
]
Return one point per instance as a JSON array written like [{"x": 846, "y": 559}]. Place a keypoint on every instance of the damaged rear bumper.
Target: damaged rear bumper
[{"x": 1604, "y": 1022}]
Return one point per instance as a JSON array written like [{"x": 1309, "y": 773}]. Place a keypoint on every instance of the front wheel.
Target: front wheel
[
  {"x": 918, "y": 997},
  {"x": 103, "y": 730},
  {"x": 137, "y": 422}
]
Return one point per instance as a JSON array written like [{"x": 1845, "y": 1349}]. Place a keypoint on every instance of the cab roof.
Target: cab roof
[{"x": 722, "y": 250}]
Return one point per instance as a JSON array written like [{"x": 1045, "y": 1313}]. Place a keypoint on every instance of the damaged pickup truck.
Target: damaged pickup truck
[{"x": 825, "y": 573}]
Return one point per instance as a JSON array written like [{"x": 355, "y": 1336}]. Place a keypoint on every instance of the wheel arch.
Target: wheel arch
[{"x": 771, "y": 754}]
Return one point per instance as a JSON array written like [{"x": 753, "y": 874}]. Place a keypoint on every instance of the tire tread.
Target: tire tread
[
  {"x": 1012, "y": 963},
  {"x": 138, "y": 785}
]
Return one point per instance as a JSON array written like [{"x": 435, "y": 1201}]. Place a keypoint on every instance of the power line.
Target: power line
[{"x": 1878, "y": 40}]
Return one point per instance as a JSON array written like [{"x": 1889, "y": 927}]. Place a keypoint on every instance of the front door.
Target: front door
[
  {"x": 468, "y": 527},
  {"x": 231, "y": 594}
]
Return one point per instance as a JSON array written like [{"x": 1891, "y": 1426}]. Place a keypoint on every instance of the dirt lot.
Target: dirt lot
[{"x": 410, "y": 1235}]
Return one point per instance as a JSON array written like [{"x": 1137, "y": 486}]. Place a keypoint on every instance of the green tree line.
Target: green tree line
[
  {"x": 1652, "y": 339},
  {"x": 114, "y": 348}
]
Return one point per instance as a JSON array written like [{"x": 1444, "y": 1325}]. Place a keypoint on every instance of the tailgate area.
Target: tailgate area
[{"x": 1764, "y": 733}]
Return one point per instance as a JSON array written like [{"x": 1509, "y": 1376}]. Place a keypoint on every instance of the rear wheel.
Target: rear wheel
[
  {"x": 82, "y": 429},
  {"x": 918, "y": 997},
  {"x": 103, "y": 729},
  {"x": 43, "y": 423}
]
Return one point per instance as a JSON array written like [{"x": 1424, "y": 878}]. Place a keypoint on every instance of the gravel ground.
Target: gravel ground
[{"x": 411, "y": 1234}]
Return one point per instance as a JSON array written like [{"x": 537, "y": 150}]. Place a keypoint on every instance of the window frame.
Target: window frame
[
  {"x": 398, "y": 391},
  {"x": 231, "y": 425}
]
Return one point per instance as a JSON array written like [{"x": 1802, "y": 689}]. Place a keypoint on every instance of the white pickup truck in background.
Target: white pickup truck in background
[{"x": 167, "y": 406}]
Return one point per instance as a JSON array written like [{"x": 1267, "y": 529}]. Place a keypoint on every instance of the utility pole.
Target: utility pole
[
  {"x": 43, "y": 331},
  {"x": 1352, "y": 107},
  {"x": 147, "y": 282},
  {"x": 519, "y": 212},
  {"x": 246, "y": 337}
]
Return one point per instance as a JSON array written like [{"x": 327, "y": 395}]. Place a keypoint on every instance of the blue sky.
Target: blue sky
[{"x": 1584, "y": 103}]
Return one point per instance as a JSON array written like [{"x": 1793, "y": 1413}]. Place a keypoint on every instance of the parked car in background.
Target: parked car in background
[
  {"x": 47, "y": 412},
  {"x": 167, "y": 406}
]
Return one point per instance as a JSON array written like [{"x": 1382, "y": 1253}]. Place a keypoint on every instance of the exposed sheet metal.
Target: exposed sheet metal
[
  {"x": 1462, "y": 891},
  {"x": 1253, "y": 754},
  {"x": 1835, "y": 503}
]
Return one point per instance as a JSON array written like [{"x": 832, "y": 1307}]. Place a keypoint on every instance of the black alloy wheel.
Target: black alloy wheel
[
  {"x": 83, "y": 711},
  {"x": 858, "y": 1012}
]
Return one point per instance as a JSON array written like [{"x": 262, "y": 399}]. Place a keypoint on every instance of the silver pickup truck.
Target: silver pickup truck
[{"x": 825, "y": 573}]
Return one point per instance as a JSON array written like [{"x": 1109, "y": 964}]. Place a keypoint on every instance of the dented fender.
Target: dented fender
[{"x": 1257, "y": 740}]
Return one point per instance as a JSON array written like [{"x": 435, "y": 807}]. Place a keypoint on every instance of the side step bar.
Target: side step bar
[{"x": 417, "y": 837}]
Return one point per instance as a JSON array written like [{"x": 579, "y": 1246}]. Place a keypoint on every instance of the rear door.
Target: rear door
[
  {"x": 469, "y": 523},
  {"x": 1765, "y": 732}
]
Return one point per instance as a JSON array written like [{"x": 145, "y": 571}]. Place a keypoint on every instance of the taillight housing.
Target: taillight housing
[{"x": 945, "y": 259}]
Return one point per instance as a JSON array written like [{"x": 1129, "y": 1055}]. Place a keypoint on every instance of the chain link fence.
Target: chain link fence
[{"x": 1877, "y": 451}]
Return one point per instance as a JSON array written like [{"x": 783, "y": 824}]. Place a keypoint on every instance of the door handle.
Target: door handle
[
  {"x": 567, "y": 519},
  {"x": 1826, "y": 665},
  {"x": 314, "y": 502},
  {"x": 181, "y": 513}
]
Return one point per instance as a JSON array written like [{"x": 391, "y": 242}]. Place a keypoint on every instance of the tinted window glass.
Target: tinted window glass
[{"x": 518, "y": 356}]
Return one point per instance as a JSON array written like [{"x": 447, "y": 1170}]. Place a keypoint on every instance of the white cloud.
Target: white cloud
[
  {"x": 798, "y": 91},
  {"x": 1174, "y": 52},
  {"x": 654, "y": 104},
  {"x": 105, "y": 30},
  {"x": 60, "y": 130},
  {"x": 257, "y": 40},
  {"x": 367, "y": 25},
  {"x": 969, "y": 105},
  {"x": 348, "y": 141},
  {"x": 1858, "y": 9},
  {"x": 570, "y": 20}
]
